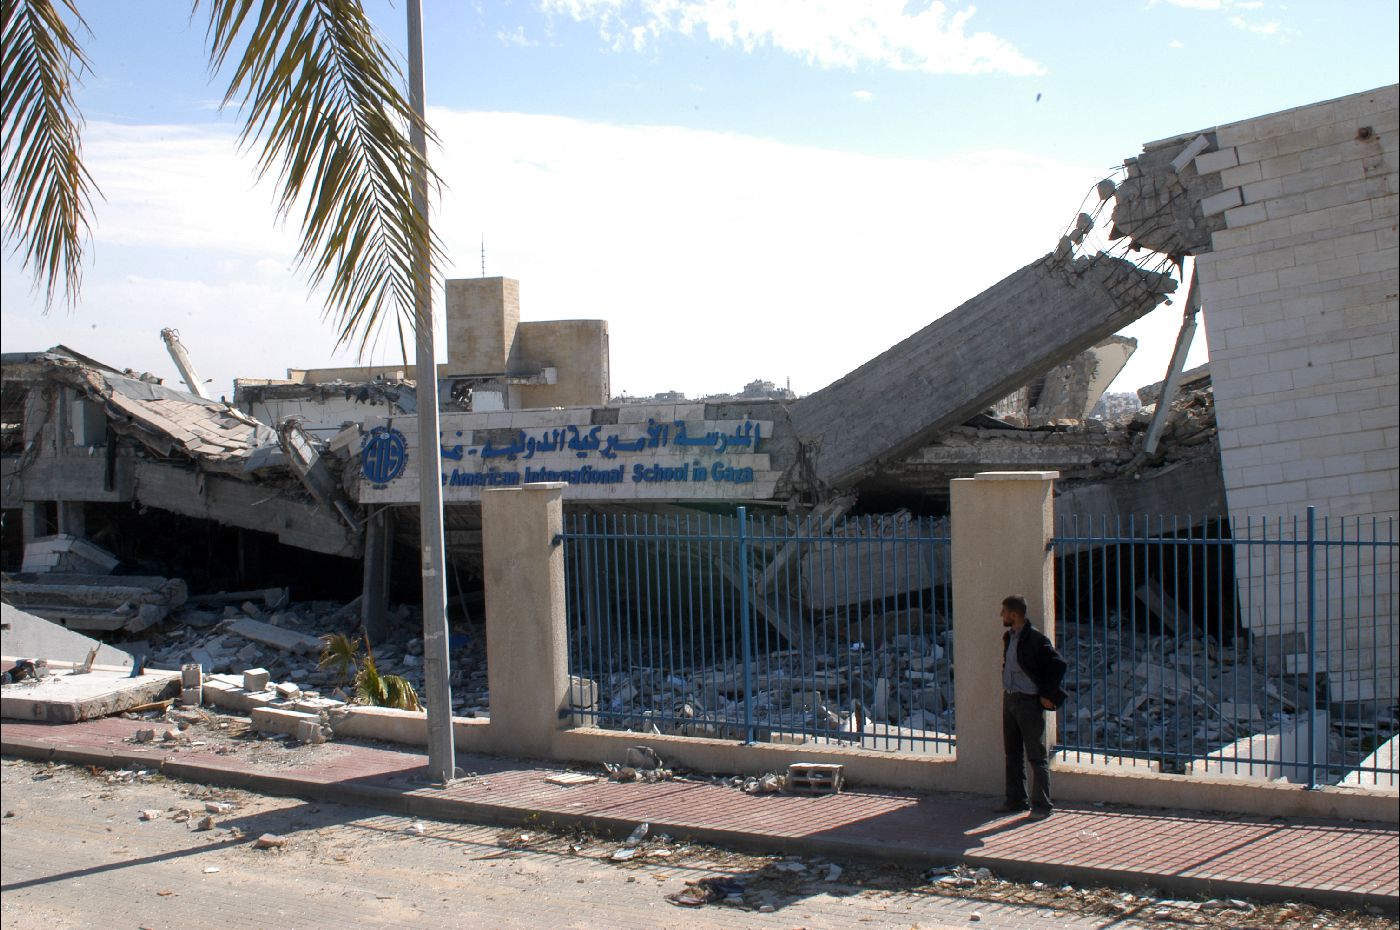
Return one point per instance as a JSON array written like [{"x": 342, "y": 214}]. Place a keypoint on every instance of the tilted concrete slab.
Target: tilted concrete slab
[
  {"x": 965, "y": 361},
  {"x": 31, "y": 637},
  {"x": 65, "y": 698}
]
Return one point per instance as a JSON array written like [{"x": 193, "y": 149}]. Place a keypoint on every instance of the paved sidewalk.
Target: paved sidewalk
[{"x": 1326, "y": 862}]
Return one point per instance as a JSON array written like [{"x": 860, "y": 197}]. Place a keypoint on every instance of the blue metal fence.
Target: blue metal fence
[
  {"x": 762, "y": 628},
  {"x": 1263, "y": 648}
]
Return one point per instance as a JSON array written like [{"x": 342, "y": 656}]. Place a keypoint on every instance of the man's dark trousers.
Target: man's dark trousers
[{"x": 1023, "y": 735}]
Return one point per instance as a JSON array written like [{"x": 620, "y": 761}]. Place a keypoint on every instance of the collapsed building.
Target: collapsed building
[{"x": 1289, "y": 223}]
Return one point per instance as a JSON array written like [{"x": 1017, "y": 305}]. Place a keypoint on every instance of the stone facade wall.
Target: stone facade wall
[
  {"x": 577, "y": 349},
  {"x": 1300, "y": 297}
]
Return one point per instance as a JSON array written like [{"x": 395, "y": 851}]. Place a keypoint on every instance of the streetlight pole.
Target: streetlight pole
[{"x": 442, "y": 765}]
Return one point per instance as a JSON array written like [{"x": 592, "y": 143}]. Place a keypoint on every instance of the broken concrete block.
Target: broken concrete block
[
  {"x": 192, "y": 697},
  {"x": 256, "y": 679},
  {"x": 305, "y": 727},
  {"x": 1187, "y": 155},
  {"x": 150, "y": 815},
  {"x": 276, "y": 637},
  {"x": 191, "y": 675},
  {"x": 229, "y": 696},
  {"x": 270, "y": 841},
  {"x": 310, "y": 731},
  {"x": 287, "y": 691},
  {"x": 306, "y": 704}
]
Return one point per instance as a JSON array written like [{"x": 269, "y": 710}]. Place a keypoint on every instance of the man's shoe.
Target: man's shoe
[
  {"x": 1040, "y": 813},
  {"x": 1008, "y": 808}
]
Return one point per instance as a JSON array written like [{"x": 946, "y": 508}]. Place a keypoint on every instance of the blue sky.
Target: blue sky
[{"x": 743, "y": 188}]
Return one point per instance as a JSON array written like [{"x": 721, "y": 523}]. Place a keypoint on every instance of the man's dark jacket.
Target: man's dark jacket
[{"x": 1039, "y": 660}]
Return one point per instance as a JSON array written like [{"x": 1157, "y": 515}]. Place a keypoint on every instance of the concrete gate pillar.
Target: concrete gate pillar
[
  {"x": 1001, "y": 529},
  {"x": 526, "y": 647}
]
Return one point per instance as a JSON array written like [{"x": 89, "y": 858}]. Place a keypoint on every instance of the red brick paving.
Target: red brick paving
[{"x": 1332, "y": 862}]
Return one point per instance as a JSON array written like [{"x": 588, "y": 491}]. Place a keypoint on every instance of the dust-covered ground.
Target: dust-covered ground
[{"x": 77, "y": 853}]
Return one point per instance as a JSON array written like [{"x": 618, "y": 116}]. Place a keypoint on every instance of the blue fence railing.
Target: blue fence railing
[
  {"x": 1261, "y": 648},
  {"x": 762, "y": 628}
]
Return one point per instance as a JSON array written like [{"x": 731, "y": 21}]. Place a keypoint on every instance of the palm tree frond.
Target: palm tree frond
[
  {"x": 339, "y": 653},
  {"x": 369, "y": 685},
  {"x": 320, "y": 96},
  {"x": 399, "y": 693},
  {"x": 46, "y": 189}
]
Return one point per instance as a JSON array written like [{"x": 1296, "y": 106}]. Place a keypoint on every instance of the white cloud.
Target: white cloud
[
  {"x": 1175, "y": 43},
  {"x": 864, "y": 96},
  {"x": 716, "y": 258},
  {"x": 890, "y": 33},
  {"x": 1272, "y": 28},
  {"x": 516, "y": 37}
]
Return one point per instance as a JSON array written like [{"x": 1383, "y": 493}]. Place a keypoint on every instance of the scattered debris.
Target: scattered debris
[{"x": 270, "y": 841}]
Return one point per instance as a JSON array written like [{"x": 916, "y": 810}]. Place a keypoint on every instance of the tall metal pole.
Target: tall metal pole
[{"x": 441, "y": 752}]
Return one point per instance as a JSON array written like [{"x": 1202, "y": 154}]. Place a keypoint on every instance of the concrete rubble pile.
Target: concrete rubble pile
[
  {"x": 1143, "y": 694},
  {"x": 841, "y": 690},
  {"x": 286, "y": 643}
]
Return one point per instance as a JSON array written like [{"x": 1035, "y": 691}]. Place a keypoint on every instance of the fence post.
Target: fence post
[
  {"x": 1002, "y": 523},
  {"x": 1312, "y": 647},
  {"x": 526, "y": 640},
  {"x": 746, "y": 622}
]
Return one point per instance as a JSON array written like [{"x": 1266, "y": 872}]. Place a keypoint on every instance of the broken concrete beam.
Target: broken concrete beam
[
  {"x": 97, "y": 602},
  {"x": 276, "y": 637},
  {"x": 64, "y": 553},
  {"x": 965, "y": 361},
  {"x": 1161, "y": 604},
  {"x": 271, "y": 597},
  {"x": 1158, "y": 206},
  {"x": 100, "y": 693},
  {"x": 859, "y": 570},
  {"x": 105, "y": 591},
  {"x": 1070, "y": 390}
]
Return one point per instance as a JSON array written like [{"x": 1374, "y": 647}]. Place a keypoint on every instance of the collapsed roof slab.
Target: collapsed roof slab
[{"x": 965, "y": 361}]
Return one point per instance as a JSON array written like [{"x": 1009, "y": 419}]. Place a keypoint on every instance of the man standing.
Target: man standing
[{"x": 1031, "y": 673}]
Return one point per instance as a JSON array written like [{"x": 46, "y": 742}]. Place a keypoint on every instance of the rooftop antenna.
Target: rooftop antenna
[{"x": 483, "y": 255}]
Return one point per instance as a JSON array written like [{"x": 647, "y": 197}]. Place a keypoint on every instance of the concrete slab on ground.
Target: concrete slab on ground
[{"x": 67, "y": 698}]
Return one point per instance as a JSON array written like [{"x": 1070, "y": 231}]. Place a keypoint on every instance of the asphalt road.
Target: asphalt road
[{"x": 76, "y": 853}]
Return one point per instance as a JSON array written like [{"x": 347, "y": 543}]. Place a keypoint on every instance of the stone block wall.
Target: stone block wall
[{"x": 1300, "y": 296}]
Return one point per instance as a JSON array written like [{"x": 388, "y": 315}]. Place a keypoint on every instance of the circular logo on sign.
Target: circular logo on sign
[{"x": 384, "y": 456}]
